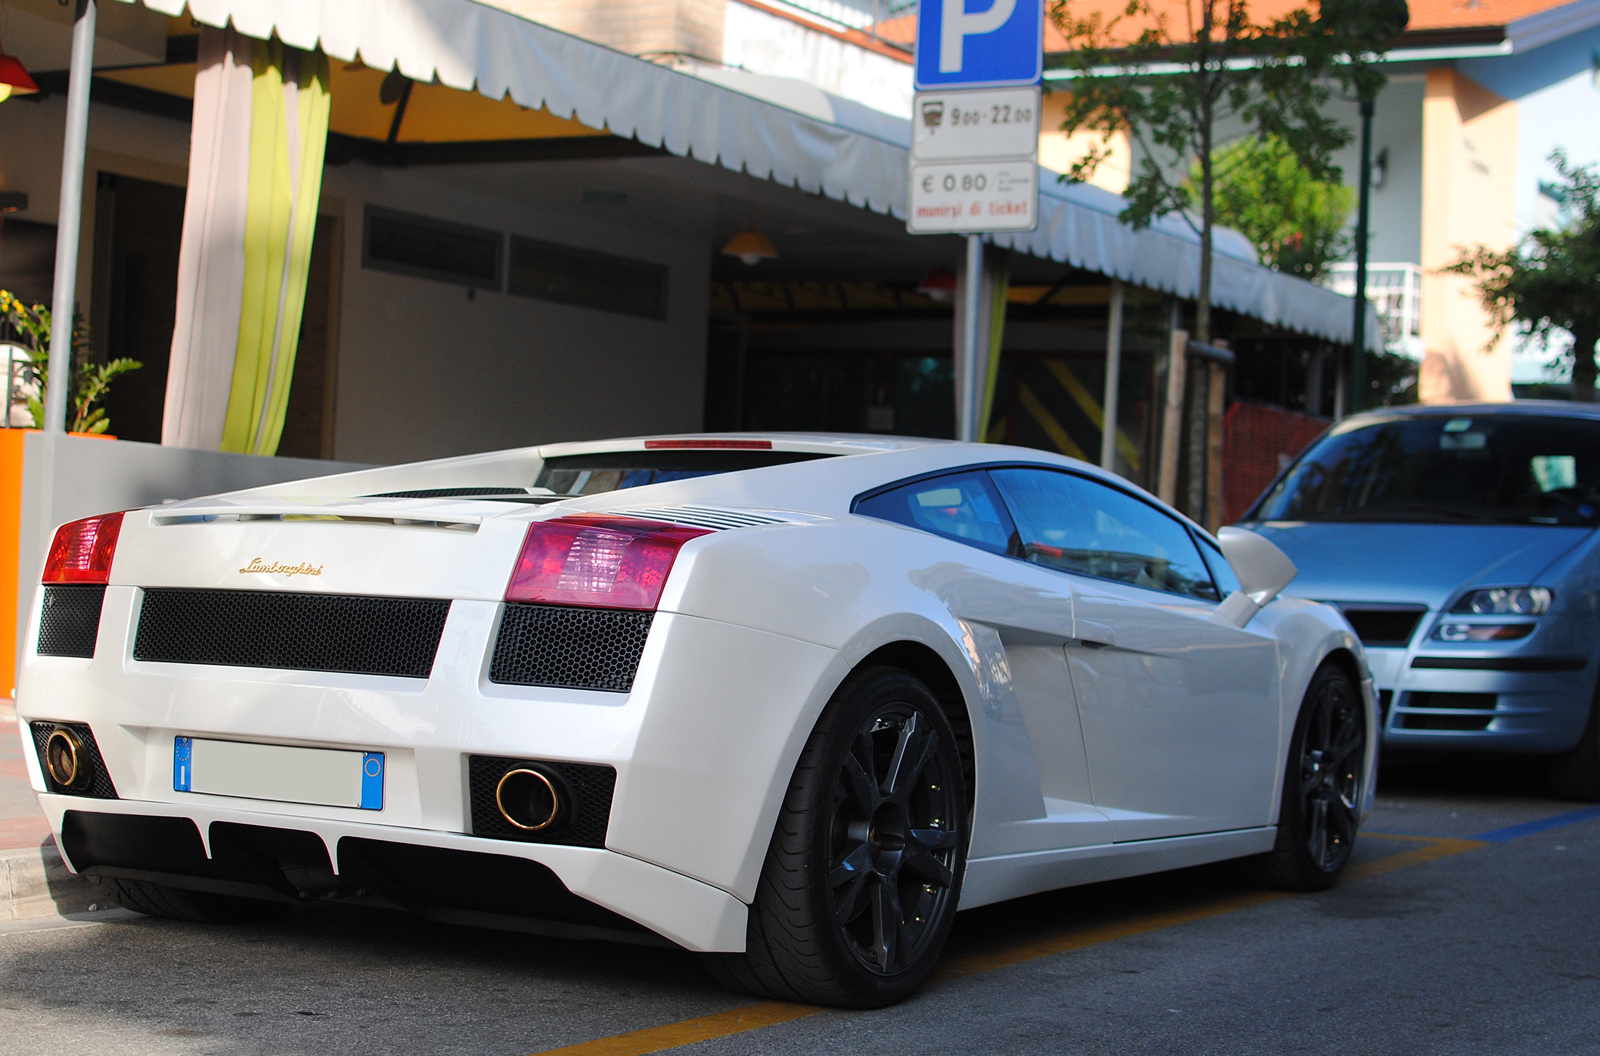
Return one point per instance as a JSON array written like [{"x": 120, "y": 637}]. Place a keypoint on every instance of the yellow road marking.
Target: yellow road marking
[
  {"x": 769, "y": 1013},
  {"x": 689, "y": 1031}
]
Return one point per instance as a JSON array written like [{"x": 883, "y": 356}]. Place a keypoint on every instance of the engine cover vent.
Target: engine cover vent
[
  {"x": 295, "y": 632},
  {"x": 715, "y": 518}
]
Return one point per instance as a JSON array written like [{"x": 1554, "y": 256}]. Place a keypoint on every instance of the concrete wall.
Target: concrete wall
[
  {"x": 762, "y": 42},
  {"x": 426, "y": 371},
  {"x": 68, "y": 477}
]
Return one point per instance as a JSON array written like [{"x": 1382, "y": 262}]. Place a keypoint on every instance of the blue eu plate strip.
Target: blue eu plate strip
[
  {"x": 181, "y": 770},
  {"x": 372, "y": 781}
]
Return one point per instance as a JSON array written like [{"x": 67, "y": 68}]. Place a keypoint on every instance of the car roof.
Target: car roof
[{"x": 1515, "y": 408}]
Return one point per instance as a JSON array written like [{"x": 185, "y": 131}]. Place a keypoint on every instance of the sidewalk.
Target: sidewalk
[{"x": 34, "y": 882}]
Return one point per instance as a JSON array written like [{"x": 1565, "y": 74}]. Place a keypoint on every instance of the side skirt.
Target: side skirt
[{"x": 1006, "y": 876}]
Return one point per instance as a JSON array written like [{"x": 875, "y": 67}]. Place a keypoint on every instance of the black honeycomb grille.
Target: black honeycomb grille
[
  {"x": 586, "y": 788},
  {"x": 297, "y": 632},
  {"x": 100, "y": 786},
  {"x": 569, "y": 647},
  {"x": 69, "y": 620}
]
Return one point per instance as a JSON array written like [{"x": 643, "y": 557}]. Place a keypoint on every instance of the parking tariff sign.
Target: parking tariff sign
[{"x": 979, "y": 43}]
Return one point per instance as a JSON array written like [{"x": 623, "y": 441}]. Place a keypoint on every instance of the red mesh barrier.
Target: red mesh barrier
[{"x": 1257, "y": 442}]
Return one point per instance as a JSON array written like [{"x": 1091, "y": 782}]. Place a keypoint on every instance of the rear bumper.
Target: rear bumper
[
  {"x": 575, "y": 892},
  {"x": 1524, "y": 703}
]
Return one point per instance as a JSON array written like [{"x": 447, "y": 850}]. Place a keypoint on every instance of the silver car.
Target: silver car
[{"x": 1460, "y": 542}]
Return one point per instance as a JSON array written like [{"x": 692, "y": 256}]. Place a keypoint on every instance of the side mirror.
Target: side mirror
[{"x": 1263, "y": 572}]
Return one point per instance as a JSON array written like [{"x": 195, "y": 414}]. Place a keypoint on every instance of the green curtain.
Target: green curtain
[{"x": 288, "y": 134}]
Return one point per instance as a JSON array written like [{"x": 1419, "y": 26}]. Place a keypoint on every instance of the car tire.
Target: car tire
[
  {"x": 1322, "y": 785},
  {"x": 862, "y": 841},
  {"x": 178, "y": 903},
  {"x": 1576, "y": 775}
]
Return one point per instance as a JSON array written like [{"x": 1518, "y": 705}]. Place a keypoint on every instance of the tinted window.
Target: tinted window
[
  {"x": 1078, "y": 525},
  {"x": 1221, "y": 571},
  {"x": 1473, "y": 468},
  {"x": 962, "y": 506}
]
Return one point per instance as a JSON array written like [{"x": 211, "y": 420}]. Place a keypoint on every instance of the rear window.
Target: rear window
[{"x": 603, "y": 471}]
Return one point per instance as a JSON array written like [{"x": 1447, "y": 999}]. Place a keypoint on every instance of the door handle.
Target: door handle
[{"x": 1091, "y": 633}]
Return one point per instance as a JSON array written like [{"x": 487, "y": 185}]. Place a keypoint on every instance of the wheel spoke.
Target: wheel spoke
[
  {"x": 928, "y": 867},
  {"x": 912, "y": 754},
  {"x": 847, "y": 879},
  {"x": 1341, "y": 820},
  {"x": 1317, "y": 838},
  {"x": 1347, "y": 741},
  {"x": 886, "y": 924},
  {"x": 859, "y": 786},
  {"x": 934, "y": 839}
]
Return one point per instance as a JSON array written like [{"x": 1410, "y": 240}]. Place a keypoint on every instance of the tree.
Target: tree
[
  {"x": 1551, "y": 279},
  {"x": 1171, "y": 73},
  {"x": 90, "y": 381},
  {"x": 1295, "y": 221}
]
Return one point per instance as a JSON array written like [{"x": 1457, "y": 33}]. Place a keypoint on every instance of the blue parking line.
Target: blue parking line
[{"x": 1528, "y": 828}]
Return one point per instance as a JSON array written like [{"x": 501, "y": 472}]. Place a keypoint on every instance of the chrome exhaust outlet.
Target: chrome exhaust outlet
[
  {"x": 528, "y": 799},
  {"x": 64, "y": 760}
]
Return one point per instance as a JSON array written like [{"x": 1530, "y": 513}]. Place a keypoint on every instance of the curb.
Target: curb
[{"x": 35, "y": 883}]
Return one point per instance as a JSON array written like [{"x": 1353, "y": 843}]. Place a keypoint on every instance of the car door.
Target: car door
[
  {"x": 1179, "y": 714},
  {"x": 1035, "y": 794}
]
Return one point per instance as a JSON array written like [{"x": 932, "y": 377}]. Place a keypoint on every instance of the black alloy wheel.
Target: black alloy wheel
[
  {"x": 891, "y": 864},
  {"x": 1323, "y": 785},
  {"x": 863, "y": 875}
]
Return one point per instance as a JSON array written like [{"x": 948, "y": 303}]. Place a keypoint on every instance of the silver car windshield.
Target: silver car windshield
[{"x": 1511, "y": 469}]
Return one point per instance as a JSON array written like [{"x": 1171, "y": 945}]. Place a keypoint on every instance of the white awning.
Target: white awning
[{"x": 770, "y": 128}]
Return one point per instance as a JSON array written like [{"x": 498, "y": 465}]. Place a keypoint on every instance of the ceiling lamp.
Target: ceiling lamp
[
  {"x": 14, "y": 79},
  {"x": 938, "y": 285},
  {"x": 750, "y": 246}
]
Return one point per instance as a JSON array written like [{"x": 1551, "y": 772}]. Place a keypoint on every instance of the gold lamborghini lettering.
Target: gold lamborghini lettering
[{"x": 276, "y": 569}]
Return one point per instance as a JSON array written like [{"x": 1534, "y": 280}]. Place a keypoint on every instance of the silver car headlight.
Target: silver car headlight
[{"x": 1506, "y": 601}]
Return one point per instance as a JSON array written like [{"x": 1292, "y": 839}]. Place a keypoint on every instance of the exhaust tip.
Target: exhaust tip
[
  {"x": 528, "y": 799},
  {"x": 64, "y": 760}
]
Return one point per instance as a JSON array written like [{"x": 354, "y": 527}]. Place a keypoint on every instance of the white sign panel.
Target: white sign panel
[
  {"x": 964, "y": 125},
  {"x": 967, "y": 197}
]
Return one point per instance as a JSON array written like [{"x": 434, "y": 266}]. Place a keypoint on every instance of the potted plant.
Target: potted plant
[{"x": 89, "y": 381}]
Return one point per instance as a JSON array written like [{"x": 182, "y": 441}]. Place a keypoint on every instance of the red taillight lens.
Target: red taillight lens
[
  {"x": 82, "y": 551},
  {"x": 603, "y": 562}
]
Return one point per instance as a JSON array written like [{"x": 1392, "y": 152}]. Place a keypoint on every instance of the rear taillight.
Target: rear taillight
[
  {"x": 82, "y": 550},
  {"x": 602, "y": 562}
]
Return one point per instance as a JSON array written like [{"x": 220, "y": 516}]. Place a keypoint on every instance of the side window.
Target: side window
[
  {"x": 1078, "y": 525},
  {"x": 961, "y": 506},
  {"x": 1221, "y": 571}
]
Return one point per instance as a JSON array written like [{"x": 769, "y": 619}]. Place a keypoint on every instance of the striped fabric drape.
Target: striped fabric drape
[{"x": 255, "y": 176}]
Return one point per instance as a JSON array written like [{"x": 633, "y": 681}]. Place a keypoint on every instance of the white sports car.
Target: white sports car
[{"x": 789, "y": 701}]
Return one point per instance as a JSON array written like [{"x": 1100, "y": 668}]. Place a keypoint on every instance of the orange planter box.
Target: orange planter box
[{"x": 11, "y": 441}]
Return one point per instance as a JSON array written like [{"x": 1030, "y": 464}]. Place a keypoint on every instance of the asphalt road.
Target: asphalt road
[{"x": 1438, "y": 943}]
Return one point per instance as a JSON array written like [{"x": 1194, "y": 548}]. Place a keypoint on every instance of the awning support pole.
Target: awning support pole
[
  {"x": 1108, "y": 427},
  {"x": 63, "y": 298},
  {"x": 1172, "y": 417},
  {"x": 969, "y": 383}
]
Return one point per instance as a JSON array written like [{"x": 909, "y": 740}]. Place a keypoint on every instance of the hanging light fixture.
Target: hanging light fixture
[
  {"x": 750, "y": 246},
  {"x": 938, "y": 285},
  {"x": 14, "y": 79}
]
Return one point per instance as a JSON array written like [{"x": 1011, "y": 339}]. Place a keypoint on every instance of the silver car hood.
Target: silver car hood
[{"x": 1416, "y": 563}]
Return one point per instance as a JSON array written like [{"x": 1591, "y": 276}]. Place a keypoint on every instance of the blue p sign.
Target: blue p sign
[{"x": 979, "y": 43}]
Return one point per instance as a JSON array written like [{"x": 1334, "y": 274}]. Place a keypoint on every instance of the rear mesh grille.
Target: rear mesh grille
[
  {"x": 569, "y": 647},
  {"x": 1384, "y": 627},
  {"x": 586, "y": 788},
  {"x": 69, "y": 620},
  {"x": 297, "y": 632}
]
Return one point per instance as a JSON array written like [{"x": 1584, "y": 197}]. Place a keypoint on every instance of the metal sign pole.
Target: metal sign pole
[
  {"x": 64, "y": 295},
  {"x": 971, "y": 382}
]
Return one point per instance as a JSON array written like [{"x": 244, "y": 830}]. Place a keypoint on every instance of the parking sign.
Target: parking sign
[{"x": 979, "y": 43}]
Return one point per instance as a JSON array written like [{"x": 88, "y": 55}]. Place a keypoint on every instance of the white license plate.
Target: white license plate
[{"x": 326, "y": 777}]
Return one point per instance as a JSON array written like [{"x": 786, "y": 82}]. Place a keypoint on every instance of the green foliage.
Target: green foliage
[
  {"x": 90, "y": 381},
  {"x": 1550, "y": 280},
  {"x": 1391, "y": 379},
  {"x": 1295, "y": 221},
  {"x": 1170, "y": 73}
]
